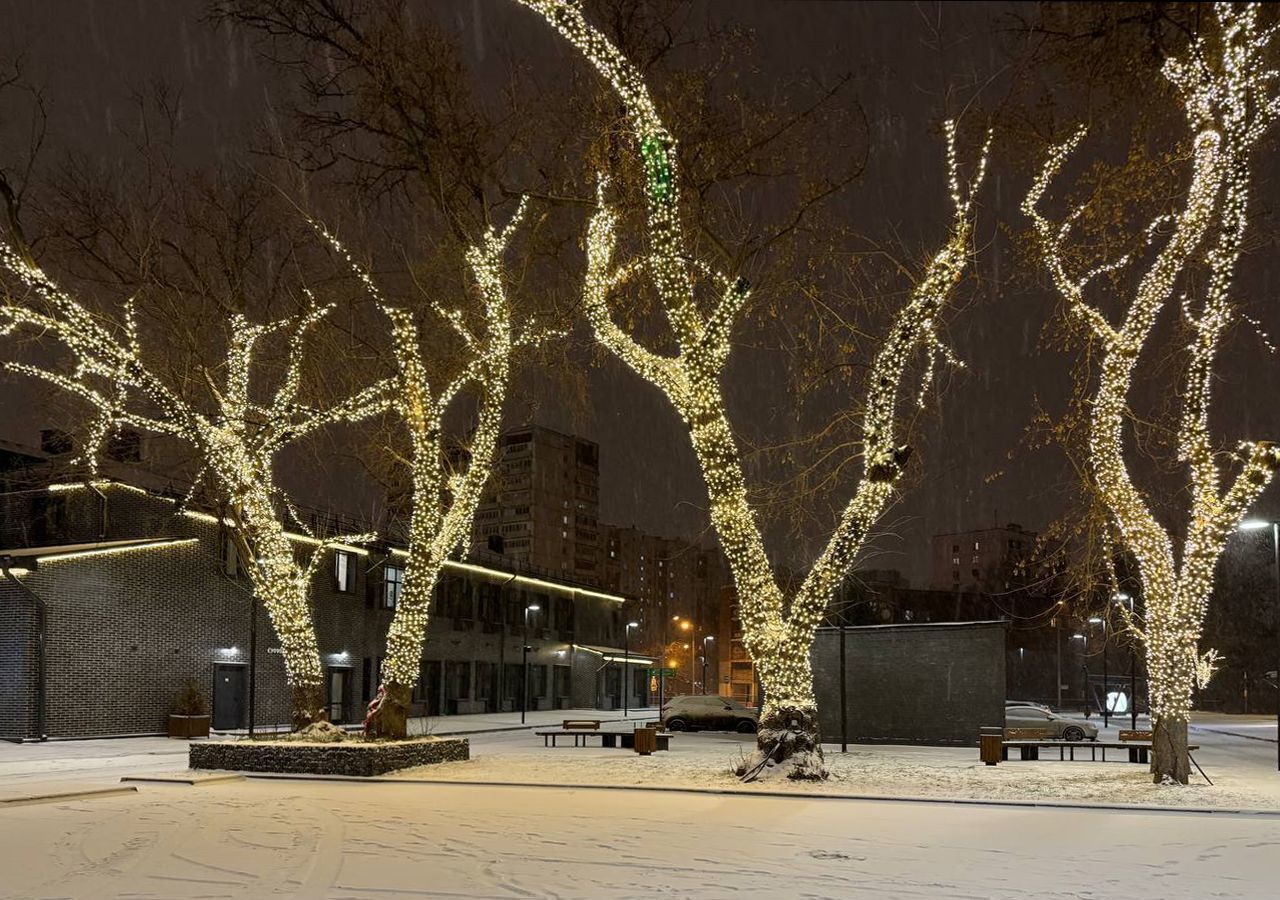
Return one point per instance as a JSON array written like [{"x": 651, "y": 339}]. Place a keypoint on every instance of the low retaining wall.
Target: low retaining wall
[{"x": 326, "y": 759}]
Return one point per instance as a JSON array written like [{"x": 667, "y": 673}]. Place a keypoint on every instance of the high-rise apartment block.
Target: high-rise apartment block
[{"x": 540, "y": 510}]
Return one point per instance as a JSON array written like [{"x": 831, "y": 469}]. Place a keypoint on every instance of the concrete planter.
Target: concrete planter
[
  {"x": 343, "y": 758},
  {"x": 188, "y": 726}
]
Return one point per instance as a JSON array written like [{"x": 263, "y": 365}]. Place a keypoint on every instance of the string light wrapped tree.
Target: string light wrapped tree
[
  {"x": 778, "y": 630},
  {"x": 235, "y": 434},
  {"x": 1228, "y": 98},
  {"x": 445, "y": 486}
]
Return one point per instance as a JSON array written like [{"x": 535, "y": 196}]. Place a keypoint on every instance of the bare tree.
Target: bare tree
[
  {"x": 778, "y": 630},
  {"x": 236, "y": 431},
  {"x": 445, "y": 486},
  {"x": 1228, "y": 100}
]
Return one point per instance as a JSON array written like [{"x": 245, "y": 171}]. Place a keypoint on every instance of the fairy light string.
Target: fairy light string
[
  {"x": 1229, "y": 100},
  {"x": 443, "y": 499},
  {"x": 237, "y": 441},
  {"x": 778, "y": 634}
]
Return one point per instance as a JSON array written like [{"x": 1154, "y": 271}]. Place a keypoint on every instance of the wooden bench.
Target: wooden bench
[
  {"x": 1030, "y": 749},
  {"x": 1141, "y": 741},
  {"x": 581, "y": 724},
  {"x": 625, "y": 739}
]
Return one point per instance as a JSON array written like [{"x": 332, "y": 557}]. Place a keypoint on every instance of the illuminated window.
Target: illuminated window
[
  {"x": 392, "y": 586},
  {"x": 343, "y": 572}
]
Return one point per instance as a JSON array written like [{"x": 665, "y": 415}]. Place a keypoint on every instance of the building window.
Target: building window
[
  {"x": 392, "y": 585},
  {"x": 977, "y": 546},
  {"x": 344, "y": 575}
]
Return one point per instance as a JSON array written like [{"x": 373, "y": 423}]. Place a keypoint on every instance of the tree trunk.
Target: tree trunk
[
  {"x": 308, "y": 705},
  {"x": 788, "y": 744},
  {"x": 1170, "y": 761},
  {"x": 389, "y": 712}
]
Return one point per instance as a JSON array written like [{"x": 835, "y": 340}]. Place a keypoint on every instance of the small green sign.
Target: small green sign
[{"x": 664, "y": 673}]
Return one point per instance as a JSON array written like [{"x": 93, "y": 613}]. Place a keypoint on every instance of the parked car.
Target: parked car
[
  {"x": 1057, "y": 727},
  {"x": 690, "y": 711},
  {"x": 1009, "y": 703}
]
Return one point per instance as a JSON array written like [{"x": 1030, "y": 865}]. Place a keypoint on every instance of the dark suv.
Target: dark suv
[{"x": 713, "y": 713}]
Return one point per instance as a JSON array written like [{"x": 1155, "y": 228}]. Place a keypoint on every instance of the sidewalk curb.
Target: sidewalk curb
[
  {"x": 194, "y": 779},
  {"x": 57, "y": 796},
  {"x": 786, "y": 795},
  {"x": 1201, "y": 729}
]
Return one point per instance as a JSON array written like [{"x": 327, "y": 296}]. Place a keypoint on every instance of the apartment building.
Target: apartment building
[
  {"x": 981, "y": 559},
  {"x": 540, "y": 510}
]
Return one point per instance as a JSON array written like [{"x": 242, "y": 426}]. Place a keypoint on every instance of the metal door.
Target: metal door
[{"x": 228, "y": 697}]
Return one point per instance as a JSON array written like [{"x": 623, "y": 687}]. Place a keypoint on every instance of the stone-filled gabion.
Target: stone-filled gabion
[{"x": 326, "y": 759}]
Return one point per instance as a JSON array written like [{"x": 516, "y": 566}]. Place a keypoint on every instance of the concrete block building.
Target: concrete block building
[{"x": 114, "y": 597}]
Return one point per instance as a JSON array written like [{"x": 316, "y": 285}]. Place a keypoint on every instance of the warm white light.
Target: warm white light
[
  {"x": 778, "y": 631},
  {"x": 1229, "y": 99}
]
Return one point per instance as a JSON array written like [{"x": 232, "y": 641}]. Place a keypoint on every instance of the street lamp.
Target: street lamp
[
  {"x": 1254, "y": 525},
  {"x": 1126, "y": 600},
  {"x": 705, "y": 638},
  {"x": 1106, "y": 690},
  {"x": 1084, "y": 669},
  {"x": 524, "y": 682},
  {"x": 626, "y": 667}
]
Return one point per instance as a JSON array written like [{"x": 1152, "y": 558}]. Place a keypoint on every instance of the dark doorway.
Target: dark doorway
[
  {"x": 228, "y": 697},
  {"x": 430, "y": 679},
  {"x": 339, "y": 694}
]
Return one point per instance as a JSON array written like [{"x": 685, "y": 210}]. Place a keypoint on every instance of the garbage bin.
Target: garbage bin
[
  {"x": 990, "y": 744},
  {"x": 646, "y": 740}
]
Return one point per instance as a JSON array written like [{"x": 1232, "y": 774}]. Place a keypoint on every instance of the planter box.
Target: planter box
[
  {"x": 354, "y": 758},
  {"x": 188, "y": 726}
]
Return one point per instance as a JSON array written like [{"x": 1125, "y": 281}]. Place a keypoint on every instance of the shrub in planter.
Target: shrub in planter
[{"x": 190, "y": 716}]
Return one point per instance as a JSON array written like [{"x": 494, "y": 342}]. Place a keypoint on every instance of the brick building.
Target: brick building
[{"x": 114, "y": 597}]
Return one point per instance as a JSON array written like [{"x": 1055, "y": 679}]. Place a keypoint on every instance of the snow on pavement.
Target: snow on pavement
[
  {"x": 707, "y": 760},
  {"x": 253, "y": 839}
]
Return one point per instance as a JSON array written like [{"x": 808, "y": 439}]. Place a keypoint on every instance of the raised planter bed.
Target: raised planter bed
[{"x": 340, "y": 758}]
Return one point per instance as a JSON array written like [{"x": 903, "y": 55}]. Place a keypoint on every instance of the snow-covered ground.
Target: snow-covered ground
[
  {"x": 1244, "y": 776},
  {"x": 255, "y": 839},
  {"x": 276, "y": 838}
]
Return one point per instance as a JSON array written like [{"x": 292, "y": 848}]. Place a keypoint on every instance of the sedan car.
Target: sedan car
[
  {"x": 690, "y": 711},
  {"x": 1057, "y": 727}
]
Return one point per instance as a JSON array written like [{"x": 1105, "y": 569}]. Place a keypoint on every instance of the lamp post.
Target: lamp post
[
  {"x": 1106, "y": 694},
  {"x": 705, "y": 638},
  {"x": 687, "y": 625},
  {"x": 1253, "y": 525},
  {"x": 626, "y": 667},
  {"x": 1133, "y": 668},
  {"x": 1084, "y": 669},
  {"x": 524, "y": 681}
]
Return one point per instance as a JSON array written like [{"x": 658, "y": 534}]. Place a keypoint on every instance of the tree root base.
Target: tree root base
[{"x": 787, "y": 746}]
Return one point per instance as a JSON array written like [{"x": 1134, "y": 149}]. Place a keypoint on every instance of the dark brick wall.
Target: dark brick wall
[
  {"x": 18, "y": 665},
  {"x": 912, "y": 684},
  {"x": 127, "y": 629}
]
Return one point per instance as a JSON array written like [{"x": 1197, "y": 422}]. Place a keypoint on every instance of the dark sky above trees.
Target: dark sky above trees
[{"x": 912, "y": 64}]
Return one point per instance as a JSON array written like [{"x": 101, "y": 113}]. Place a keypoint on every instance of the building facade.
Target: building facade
[
  {"x": 114, "y": 598},
  {"x": 983, "y": 559},
  {"x": 540, "y": 509}
]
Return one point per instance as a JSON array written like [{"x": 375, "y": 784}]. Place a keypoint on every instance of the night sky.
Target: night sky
[{"x": 913, "y": 64}]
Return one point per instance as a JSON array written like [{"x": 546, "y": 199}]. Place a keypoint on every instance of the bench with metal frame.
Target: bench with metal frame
[{"x": 624, "y": 739}]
